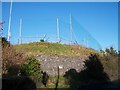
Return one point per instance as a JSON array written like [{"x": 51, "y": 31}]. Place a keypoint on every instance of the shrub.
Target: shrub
[
  {"x": 10, "y": 57},
  {"x": 31, "y": 68},
  {"x": 109, "y": 59},
  {"x": 109, "y": 52}
]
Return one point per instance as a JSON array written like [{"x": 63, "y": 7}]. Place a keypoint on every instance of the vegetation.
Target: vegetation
[
  {"x": 109, "y": 52},
  {"x": 109, "y": 59},
  {"x": 92, "y": 73},
  {"x": 14, "y": 63},
  {"x": 99, "y": 67},
  {"x": 11, "y": 59},
  {"x": 31, "y": 67},
  {"x": 52, "y": 82},
  {"x": 37, "y": 48}
]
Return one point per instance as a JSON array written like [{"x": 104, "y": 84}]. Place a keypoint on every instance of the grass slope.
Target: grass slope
[{"x": 37, "y": 48}]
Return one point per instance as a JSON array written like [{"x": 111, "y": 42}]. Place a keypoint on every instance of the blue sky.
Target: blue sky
[{"x": 100, "y": 19}]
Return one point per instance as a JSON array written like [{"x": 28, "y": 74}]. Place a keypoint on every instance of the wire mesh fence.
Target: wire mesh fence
[{"x": 48, "y": 32}]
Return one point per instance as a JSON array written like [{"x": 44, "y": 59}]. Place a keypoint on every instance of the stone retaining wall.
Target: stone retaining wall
[{"x": 50, "y": 64}]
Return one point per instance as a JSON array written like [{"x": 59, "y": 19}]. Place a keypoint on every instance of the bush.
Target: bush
[
  {"x": 31, "y": 68},
  {"x": 10, "y": 58},
  {"x": 109, "y": 52}
]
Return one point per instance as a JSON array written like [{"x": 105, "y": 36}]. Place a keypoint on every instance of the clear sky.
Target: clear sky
[{"x": 100, "y": 19}]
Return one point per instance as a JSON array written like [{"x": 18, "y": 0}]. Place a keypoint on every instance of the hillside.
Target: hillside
[
  {"x": 75, "y": 61},
  {"x": 37, "y": 48}
]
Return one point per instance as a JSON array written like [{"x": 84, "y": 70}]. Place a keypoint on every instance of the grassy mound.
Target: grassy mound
[{"x": 37, "y": 48}]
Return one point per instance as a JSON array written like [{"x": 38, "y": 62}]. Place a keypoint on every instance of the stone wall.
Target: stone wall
[{"x": 50, "y": 64}]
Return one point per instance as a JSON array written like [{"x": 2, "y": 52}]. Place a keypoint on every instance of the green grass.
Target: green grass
[
  {"x": 37, "y": 48},
  {"x": 53, "y": 80}
]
